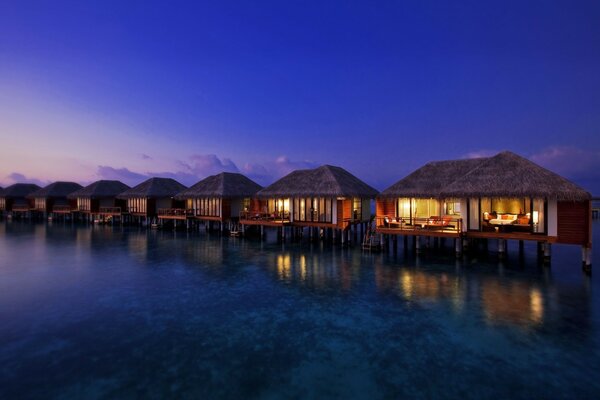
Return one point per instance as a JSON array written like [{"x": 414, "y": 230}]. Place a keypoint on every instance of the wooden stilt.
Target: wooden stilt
[
  {"x": 458, "y": 247},
  {"x": 501, "y": 248},
  {"x": 547, "y": 252}
]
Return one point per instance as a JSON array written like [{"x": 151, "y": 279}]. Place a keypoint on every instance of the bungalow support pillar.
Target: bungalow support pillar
[
  {"x": 501, "y": 248},
  {"x": 458, "y": 246},
  {"x": 418, "y": 244},
  {"x": 587, "y": 261},
  {"x": 547, "y": 252}
]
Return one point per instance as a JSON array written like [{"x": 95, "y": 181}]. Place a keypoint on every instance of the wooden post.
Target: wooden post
[
  {"x": 501, "y": 248},
  {"x": 417, "y": 244},
  {"x": 458, "y": 247},
  {"x": 547, "y": 252},
  {"x": 588, "y": 259}
]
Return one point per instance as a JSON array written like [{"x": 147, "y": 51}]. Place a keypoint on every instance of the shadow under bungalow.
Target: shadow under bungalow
[{"x": 504, "y": 197}]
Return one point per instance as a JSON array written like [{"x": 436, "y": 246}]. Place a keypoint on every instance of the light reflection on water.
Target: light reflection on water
[{"x": 107, "y": 312}]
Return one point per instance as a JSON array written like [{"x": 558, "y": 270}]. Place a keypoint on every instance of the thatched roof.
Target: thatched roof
[
  {"x": 100, "y": 190},
  {"x": 510, "y": 175},
  {"x": 225, "y": 184},
  {"x": 55, "y": 190},
  {"x": 429, "y": 180},
  {"x": 154, "y": 188},
  {"x": 324, "y": 181},
  {"x": 19, "y": 190},
  {"x": 504, "y": 175}
]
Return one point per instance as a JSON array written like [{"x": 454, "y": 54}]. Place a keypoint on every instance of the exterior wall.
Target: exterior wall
[
  {"x": 236, "y": 207},
  {"x": 463, "y": 210},
  {"x": 552, "y": 217},
  {"x": 226, "y": 206},
  {"x": 334, "y": 215},
  {"x": 163, "y": 202},
  {"x": 340, "y": 212},
  {"x": 366, "y": 209},
  {"x": 385, "y": 207},
  {"x": 106, "y": 203},
  {"x": 574, "y": 222}
]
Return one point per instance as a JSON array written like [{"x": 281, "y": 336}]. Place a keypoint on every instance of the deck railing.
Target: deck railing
[
  {"x": 264, "y": 216},
  {"x": 61, "y": 209},
  {"x": 174, "y": 212},
  {"x": 444, "y": 224},
  {"x": 21, "y": 207},
  {"x": 110, "y": 210}
]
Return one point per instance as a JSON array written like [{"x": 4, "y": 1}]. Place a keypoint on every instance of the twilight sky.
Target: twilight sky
[{"x": 127, "y": 89}]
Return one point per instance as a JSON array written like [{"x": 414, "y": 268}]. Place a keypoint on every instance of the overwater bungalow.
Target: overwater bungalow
[
  {"x": 99, "y": 200},
  {"x": 501, "y": 197},
  {"x": 144, "y": 200},
  {"x": 219, "y": 198},
  {"x": 52, "y": 200},
  {"x": 14, "y": 201},
  {"x": 326, "y": 198}
]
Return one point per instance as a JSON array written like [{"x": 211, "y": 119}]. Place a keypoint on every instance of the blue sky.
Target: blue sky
[{"x": 185, "y": 89}]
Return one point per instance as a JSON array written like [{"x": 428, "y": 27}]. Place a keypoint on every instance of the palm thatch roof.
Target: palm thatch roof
[
  {"x": 55, "y": 190},
  {"x": 153, "y": 188},
  {"x": 225, "y": 185},
  {"x": 429, "y": 180},
  {"x": 100, "y": 190},
  {"x": 504, "y": 175},
  {"x": 510, "y": 175},
  {"x": 324, "y": 181},
  {"x": 18, "y": 190}
]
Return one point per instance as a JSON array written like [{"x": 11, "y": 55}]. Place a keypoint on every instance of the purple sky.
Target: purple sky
[{"x": 125, "y": 90}]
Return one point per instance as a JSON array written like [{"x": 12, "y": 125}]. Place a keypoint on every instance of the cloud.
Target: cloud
[
  {"x": 120, "y": 174},
  {"x": 203, "y": 165},
  {"x": 145, "y": 156},
  {"x": 481, "y": 153},
  {"x": 269, "y": 171},
  {"x": 199, "y": 166},
  {"x": 580, "y": 165},
  {"x": 16, "y": 177},
  {"x": 569, "y": 161}
]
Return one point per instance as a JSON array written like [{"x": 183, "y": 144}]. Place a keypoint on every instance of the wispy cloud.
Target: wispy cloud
[
  {"x": 145, "y": 156},
  {"x": 120, "y": 174},
  {"x": 199, "y": 166},
  {"x": 481, "y": 153}
]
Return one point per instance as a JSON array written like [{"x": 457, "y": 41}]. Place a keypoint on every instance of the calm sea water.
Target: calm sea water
[{"x": 111, "y": 313}]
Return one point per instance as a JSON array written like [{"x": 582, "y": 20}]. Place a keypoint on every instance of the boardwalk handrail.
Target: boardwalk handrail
[{"x": 419, "y": 223}]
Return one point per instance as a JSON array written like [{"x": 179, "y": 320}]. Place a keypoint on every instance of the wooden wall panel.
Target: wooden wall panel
[
  {"x": 385, "y": 207},
  {"x": 574, "y": 219},
  {"x": 225, "y": 209}
]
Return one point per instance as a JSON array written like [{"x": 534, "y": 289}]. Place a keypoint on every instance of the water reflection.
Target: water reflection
[
  {"x": 500, "y": 296},
  {"x": 512, "y": 303}
]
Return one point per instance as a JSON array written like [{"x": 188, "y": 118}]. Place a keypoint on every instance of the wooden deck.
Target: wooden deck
[
  {"x": 451, "y": 233},
  {"x": 511, "y": 236},
  {"x": 265, "y": 222}
]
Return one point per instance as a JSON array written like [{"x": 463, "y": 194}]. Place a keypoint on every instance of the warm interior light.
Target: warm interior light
[{"x": 536, "y": 217}]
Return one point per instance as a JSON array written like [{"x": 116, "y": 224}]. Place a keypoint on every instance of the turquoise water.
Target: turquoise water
[{"x": 97, "y": 312}]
